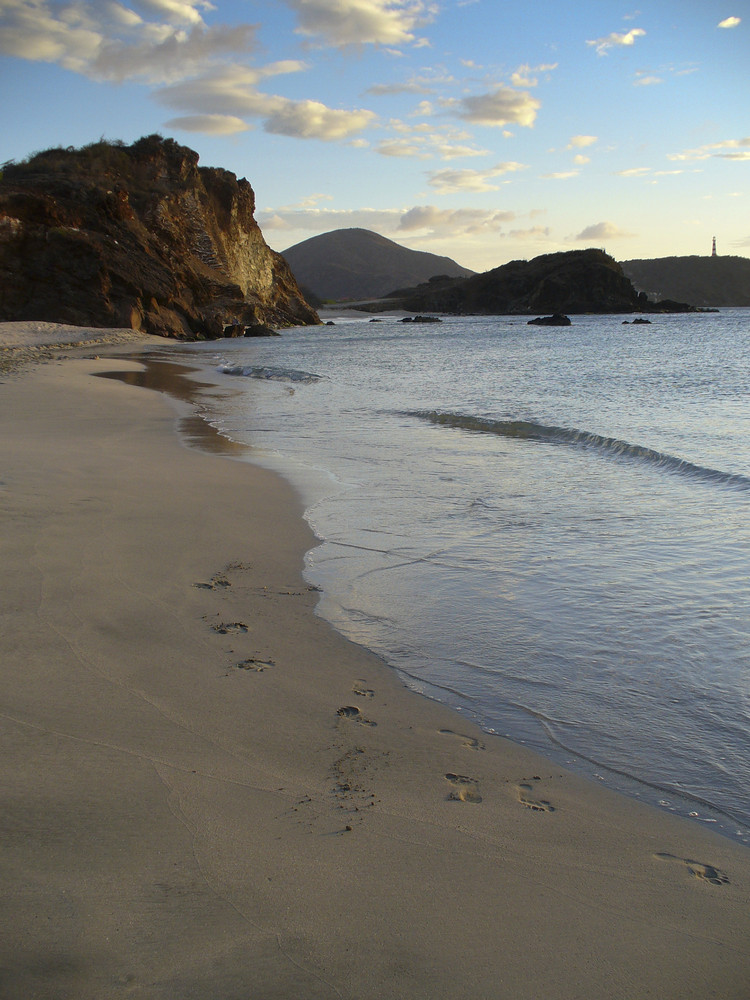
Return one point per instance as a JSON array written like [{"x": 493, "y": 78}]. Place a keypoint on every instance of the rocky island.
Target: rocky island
[
  {"x": 142, "y": 237},
  {"x": 579, "y": 281}
]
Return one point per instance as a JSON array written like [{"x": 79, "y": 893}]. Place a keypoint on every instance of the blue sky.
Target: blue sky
[{"x": 484, "y": 130}]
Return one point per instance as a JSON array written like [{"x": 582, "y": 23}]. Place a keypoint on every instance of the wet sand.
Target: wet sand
[{"x": 208, "y": 793}]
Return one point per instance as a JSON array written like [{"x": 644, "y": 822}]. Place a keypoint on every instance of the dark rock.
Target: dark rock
[
  {"x": 139, "y": 236},
  {"x": 260, "y": 330},
  {"x": 421, "y": 319},
  {"x": 556, "y": 320}
]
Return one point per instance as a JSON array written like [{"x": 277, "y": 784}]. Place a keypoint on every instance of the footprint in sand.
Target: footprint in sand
[
  {"x": 353, "y": 713},
  {"x": 713, "y": 875},
  {"x": 468, "y": 741},
  {"x": 362, "y": 691},
  {"x": 463, "y": 789},
  {"x": 253, "y": 663},
  {"x": 526, "y": 799},
  {"x": 217, "y": 582},
  {"x": 225, "y": 628}
]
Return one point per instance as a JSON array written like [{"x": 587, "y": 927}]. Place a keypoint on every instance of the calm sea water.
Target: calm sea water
[{"x": 546, "y": 528}]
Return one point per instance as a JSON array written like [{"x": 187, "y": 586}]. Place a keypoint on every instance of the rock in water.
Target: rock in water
[
  {"x": 555, "y": 320},
  {"x": 139, "y": 236}
]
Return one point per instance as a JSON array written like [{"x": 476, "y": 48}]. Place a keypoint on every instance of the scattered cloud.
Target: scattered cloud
[
  {"x": 561, "y": 175},
  {"x": 453, "y": 181},
  {"x": 616, "y": 39},
  {"x": 729, "y": 149},
  {"x": 633, "y": 172},
  {"x": 452, "y": 220},
  {"x": 426, "y": 141},
  {"x": 209, "y": 124},
  {"x": 418, "y": 221},
  {"x": 641, "y": 80},
  {"x": 343, "y": 23},
  {"x": 603, "y": 231},
  {"x": 313, "y": 120},
  {"x": 729, "y": 22},
  {"x": 110, "y": 42},
  {"x": 523, "y": 76},
  {"x": 580, "y": 159},
  {"x": 498, "y": 107},
  {"x": 582, "y": 141},
  {"x": 232, "y": 90},
  {"x": 532, "y": 235}
]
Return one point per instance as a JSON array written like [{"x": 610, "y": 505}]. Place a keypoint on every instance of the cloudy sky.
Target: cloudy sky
[{"x": 480, "y": 129}]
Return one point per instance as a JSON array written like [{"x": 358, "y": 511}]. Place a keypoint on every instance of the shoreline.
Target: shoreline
[{"x": 214, "y": 794}]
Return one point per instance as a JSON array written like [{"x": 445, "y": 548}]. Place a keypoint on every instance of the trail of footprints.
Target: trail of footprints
[
  {"x": 349, "y": 768},
  {"x": 218, "y": 582}
]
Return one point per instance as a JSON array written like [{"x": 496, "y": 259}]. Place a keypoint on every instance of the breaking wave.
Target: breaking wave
[{"x": 529, "y": 430}]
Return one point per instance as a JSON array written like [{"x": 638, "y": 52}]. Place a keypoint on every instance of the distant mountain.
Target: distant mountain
[
  {"x": 579, "y": 281},
  {"x": 359, "y": 264},
  {"x": 703, "y": 281}
]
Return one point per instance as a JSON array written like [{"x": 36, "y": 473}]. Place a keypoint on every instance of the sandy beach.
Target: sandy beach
[{"x": 209, "y": 794}]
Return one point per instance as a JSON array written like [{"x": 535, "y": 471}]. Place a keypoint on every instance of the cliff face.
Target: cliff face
[
  {"x": 581, "y": 281},
  {"x": 139, "y": 236}
]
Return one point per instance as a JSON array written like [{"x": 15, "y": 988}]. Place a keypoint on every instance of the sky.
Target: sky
[{"x": 482, "y": 130}]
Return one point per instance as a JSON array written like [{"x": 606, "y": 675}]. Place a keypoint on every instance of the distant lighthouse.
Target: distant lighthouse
[{"x": 713, "y": 248}]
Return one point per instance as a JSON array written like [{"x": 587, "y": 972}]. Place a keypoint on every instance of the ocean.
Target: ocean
[{"x": 547, "y": 528}]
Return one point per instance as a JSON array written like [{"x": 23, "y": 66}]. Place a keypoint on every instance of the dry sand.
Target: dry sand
[{"x": 210, "y": 795}]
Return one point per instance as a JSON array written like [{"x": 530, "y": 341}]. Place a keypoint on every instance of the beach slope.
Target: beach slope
[{"x": 209, "y": 794}]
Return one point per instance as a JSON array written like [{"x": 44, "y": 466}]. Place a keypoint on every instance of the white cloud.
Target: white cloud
[
  {"x": 561, "y": 175},
  {"x": 729, "y": 22},
  {"x": 109, "y": 41},
  {"x": 603, "y": 231},
  {"x": 501, "y": 106},
  {"x": 615, "y": 39},
  {"x": 209, "y": 124},
  {"x": 322, "y": 220},
  {"x": 425, "y": 141},
  {"x": 159, "y": 57},
  {"x": 178, "y": 11},
  {"x": 523, "y": 76},
  {"x": 360, "y": 22},
  {"x": 452, "y": 220},
  {"x": 634, "y": 172},
  {"x": 419, "y": 220},
  {"x": 232, "y": 90},
  {"x": 646, "y": 81},
  {"x": 581, "y": 141},
  {"x": 580, "y": 159},
  {"x": 452, "y": 181},
  {"x": 739, "y": 150},
  {"x": 530, "y": 235},
  {"x": 313, "y": 120}
]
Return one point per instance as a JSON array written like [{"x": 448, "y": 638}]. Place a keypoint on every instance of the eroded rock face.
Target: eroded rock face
[{"x": 139, "y": 236}]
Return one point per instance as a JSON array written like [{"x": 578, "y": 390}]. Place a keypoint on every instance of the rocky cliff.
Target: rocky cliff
[
  {"x": 139, "y": 236},
  {"x": 580, "y": 281}
]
